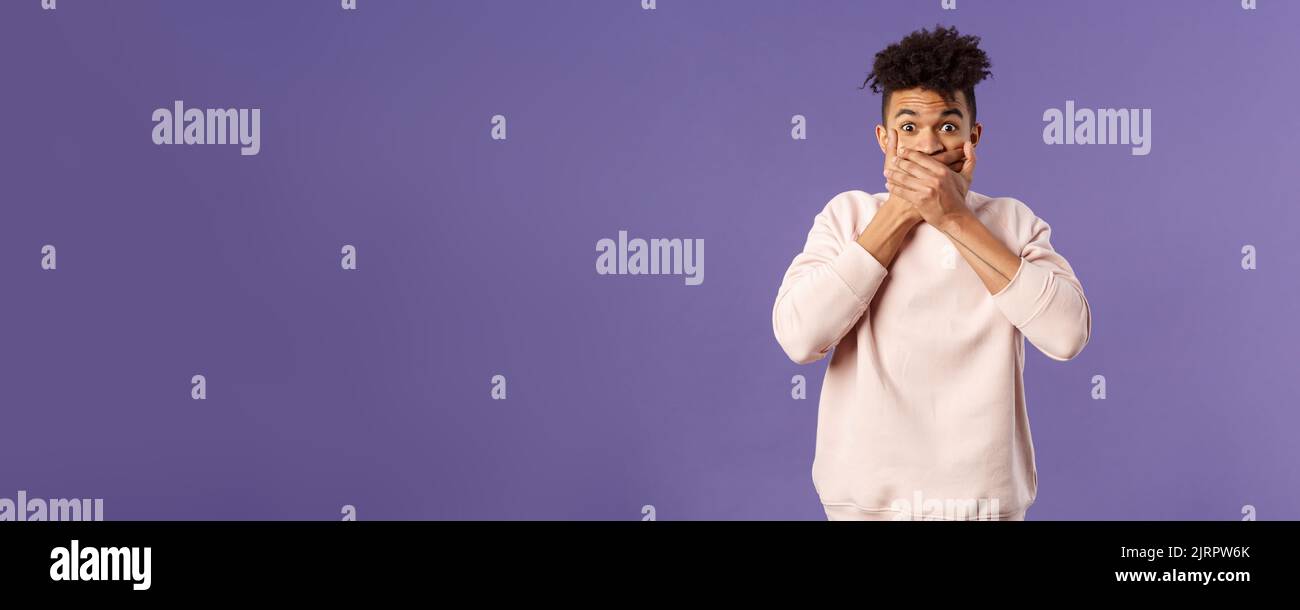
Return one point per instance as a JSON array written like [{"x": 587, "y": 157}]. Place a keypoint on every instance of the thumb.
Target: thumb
[{"x": 968, "y": 166}]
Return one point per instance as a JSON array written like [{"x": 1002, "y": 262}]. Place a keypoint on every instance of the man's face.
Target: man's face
[{"x": 928, "y": 123}]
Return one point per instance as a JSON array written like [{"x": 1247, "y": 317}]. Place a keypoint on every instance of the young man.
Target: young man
[{"x": 927, "y": 293}]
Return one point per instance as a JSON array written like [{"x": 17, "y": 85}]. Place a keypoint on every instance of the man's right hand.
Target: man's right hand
[
  {"x": 951, "y": 158},
  {"x": 886, "y": 231}
]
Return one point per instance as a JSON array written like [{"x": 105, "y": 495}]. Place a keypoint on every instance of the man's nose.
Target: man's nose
[{"x": 929, "y": 142}]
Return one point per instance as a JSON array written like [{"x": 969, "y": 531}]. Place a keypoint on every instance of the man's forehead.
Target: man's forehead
[{"x": 925, "y": 101}]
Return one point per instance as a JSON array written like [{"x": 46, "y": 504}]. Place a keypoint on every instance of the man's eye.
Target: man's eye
[
  {"x": 908, "y": 127},
  {"x": 946, "y": 127}
]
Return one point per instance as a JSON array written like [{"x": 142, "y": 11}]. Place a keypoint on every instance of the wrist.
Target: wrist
[
  {"x": 956, "y": 223},
  {"x": 900, "y": 214}
]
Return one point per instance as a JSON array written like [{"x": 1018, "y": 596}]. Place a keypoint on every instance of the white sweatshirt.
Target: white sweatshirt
[{"x": 923, "y": 412}]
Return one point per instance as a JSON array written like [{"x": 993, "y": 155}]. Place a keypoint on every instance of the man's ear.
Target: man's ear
[
  {"x": 975, "y": 133},
  {"x": 882, "y": 138}
]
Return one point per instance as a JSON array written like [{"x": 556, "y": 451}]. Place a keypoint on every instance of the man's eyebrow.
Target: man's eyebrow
[{"x": 950, "y": 111}]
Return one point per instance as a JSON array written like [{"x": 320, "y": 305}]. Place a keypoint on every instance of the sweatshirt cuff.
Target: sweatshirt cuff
[
  {"x": 860, "y": 271},
  {"x": 1025, "y": 295}
]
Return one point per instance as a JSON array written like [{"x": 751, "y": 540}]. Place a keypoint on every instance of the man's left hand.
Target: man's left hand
[{"x": 934, "y": 189}]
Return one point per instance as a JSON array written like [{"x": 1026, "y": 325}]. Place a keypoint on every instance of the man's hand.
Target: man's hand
[
  {"x": 929, "y": 184},
  {"x": 897, "y": 216},
  {"x": 951, "y": 158},
  {"x": 938, "y": 192},
  {"x": 903, "y": 208}
]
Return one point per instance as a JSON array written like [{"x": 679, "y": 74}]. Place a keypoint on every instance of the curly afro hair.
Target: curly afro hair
[{"x": 940, "y": 60}]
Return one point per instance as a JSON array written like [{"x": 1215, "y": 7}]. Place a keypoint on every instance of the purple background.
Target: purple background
[{"x": 477, "y": 257}]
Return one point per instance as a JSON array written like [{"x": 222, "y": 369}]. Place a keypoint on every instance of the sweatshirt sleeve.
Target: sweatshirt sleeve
[
  {"x": 1044, "y": 299},
  {"x": 826, "y": 289}
]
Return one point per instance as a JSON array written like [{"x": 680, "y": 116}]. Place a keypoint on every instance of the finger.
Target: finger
[
  {"x": 895, "y": 146},
  {"x": 893, "y": 167},
  {"x": 968, "y": 166},
  {"x": 904, "y": 196},
  {"x": 900, "y": 192},
  {"x": 891, "y": 145},
  {"x": 950, "y": 157},
  {"x": 926, "y": 162},
  {"x": 915, "y": 170},
  {"x": 907, "y": 184},
  {"x": 904, "y": 178}
]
